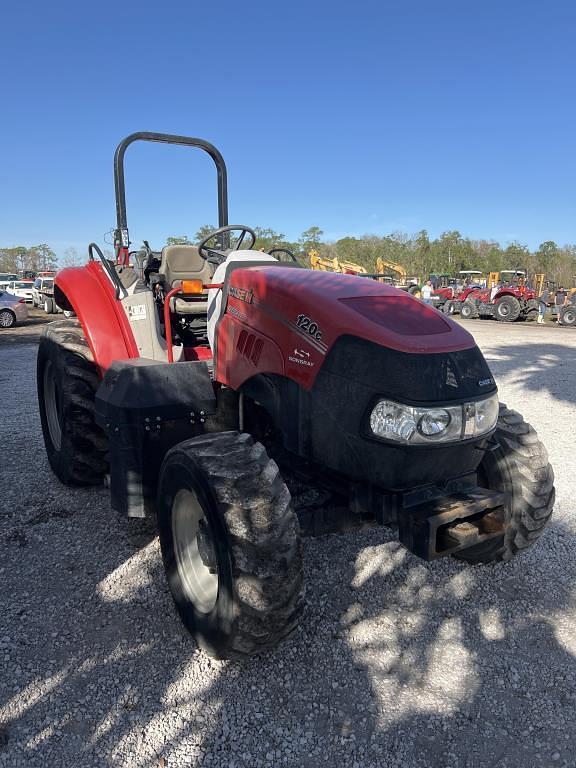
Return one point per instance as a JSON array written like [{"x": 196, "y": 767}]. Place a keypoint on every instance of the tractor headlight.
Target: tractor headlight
[
  {"x": 434, "y": 423},
  {"x": 419, "y": 426}
]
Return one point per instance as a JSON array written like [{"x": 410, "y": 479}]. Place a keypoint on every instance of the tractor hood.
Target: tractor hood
[
  {"x": 291, "y": 321},
  {"x": 337, "y": 305}
]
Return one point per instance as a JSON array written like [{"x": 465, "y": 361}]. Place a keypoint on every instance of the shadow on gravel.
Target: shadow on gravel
[
  {"x": 397, "y": 662},
  {"x": 537, "y": 367}
]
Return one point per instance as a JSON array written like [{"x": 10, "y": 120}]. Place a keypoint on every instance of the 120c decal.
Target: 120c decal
[{"x": 308, "y": 325}]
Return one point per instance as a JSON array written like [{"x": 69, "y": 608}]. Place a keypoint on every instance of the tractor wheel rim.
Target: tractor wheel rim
[
  {"x": 6, "y": 319},
  {"x": 51, "y": 406},
  {"x": 194, "y": 548},
  {"x": 504, "y": 310}
]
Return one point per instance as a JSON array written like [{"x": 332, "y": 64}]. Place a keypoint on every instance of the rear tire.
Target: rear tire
[
  {"x": 568, "y": 316},
  {"x": 67, "y": 380},
  {"x": 520, "y": 468},
  {"x": 507, "y": 309},
  {"x": 7, "y": 318},
  {"x": 225, "y": 514},
  {"x": 49, "y": 306},
  {"x": 449, "y": 307},
  {"x": 468, "y": 310}
]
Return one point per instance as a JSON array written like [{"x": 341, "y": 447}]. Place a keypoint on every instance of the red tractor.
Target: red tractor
[
  {"x": 198, "y": 381},
  {"x": 507, "y": 299},
  {"x": 445, "y": 290},
  {"x": 450, "y": 291}
]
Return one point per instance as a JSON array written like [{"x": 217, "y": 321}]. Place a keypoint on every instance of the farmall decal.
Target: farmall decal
[{"x": 236, "y": 312}]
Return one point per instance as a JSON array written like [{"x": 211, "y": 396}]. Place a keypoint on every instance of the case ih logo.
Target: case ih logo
[{"x": 242, "y": 294}]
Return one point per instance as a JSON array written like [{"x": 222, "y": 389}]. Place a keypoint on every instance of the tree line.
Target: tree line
[
  {"x": 419, "y": 254},
  {"x": 38, "y": 258}
]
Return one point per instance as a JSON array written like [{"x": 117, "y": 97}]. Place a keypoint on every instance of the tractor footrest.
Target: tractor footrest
[{"x": 439, "y": 524}]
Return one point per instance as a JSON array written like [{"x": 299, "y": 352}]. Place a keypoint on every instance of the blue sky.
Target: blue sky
[{"x": 356, "y": 117}]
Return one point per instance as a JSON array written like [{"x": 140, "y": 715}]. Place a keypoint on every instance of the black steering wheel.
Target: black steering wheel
[
  {"x": 291, "y": 256},
  {"x": 219, "y": 254}
]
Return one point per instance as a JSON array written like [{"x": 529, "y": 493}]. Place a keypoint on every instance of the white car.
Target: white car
[
  {"x": 22, "y": 289},
  {"x": 12, "y": 309},
  {"x": 41, "y": 285},
  {"x": 6, "y": 278}
]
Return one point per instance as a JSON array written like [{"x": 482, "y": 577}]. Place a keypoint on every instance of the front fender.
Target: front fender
[{"x": 90, "y": 294}]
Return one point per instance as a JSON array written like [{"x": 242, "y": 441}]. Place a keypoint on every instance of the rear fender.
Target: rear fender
[
  {"x": 507, "y": 292},
  {"x": 88, "y": 292}
]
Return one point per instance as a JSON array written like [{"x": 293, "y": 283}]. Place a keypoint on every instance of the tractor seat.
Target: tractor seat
[{"x": 183, "y": 262}]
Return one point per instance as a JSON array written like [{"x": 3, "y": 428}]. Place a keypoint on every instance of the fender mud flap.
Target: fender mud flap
[
  {"x": 146, "y": 408},
  {"x": 432, "y": 524}
]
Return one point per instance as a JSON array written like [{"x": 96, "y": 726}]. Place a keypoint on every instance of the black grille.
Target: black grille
[{"x": 411, "y": 378}]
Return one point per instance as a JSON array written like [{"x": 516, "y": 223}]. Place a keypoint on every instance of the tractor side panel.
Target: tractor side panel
[
  {"x": 91, "y": 295},
  {"x": 243, "y": 352}
]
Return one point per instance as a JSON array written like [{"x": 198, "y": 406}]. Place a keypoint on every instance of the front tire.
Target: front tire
[
  {"x": 230, "y": 544},
  {"x": 67, "y": 380},
  {"x": 519, "y": 467},
  {"x": 7, "y": 318},
  {"x": 468, "y": 310}
]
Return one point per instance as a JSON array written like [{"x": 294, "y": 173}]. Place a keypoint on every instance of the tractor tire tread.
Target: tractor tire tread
[
  {"x": 473, "y": 310},
  {"x": 533, "y": 494},
  {"x": 87, "y": 446},
  {"x": 264, "y": 536},
  {"x": 515, "y": 309}
]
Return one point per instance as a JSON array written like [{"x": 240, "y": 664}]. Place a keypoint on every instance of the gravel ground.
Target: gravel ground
[
  {"x": 29, "y": 330},
  {"x": 397, "y": 662}
]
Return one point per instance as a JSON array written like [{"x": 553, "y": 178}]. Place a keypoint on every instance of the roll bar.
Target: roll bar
[{"x": 121, "y": 238}]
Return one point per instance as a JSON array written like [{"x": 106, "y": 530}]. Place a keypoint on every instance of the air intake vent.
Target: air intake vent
[{"x": 249, "y": 346}]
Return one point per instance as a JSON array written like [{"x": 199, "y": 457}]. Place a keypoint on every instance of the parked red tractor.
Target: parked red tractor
[
  {"x": 182, "y": 365},
  {"x": 507, "y": 298},
  {"x": 451, "y": 291}
]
